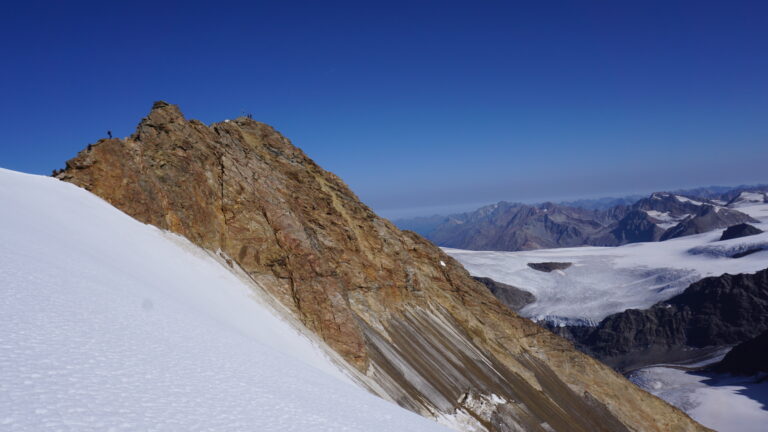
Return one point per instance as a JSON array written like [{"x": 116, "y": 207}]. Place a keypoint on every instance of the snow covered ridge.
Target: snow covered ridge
[
  {"x": 688, "y": 200},
  {"x": 607, "y": 280},
  {"x": 110, "y": 324},
  {"x": 665, "y": 219},
  {"x": 748, "y": 199}
]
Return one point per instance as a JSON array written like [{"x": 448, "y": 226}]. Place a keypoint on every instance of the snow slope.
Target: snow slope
[
  {"x": 109, "y": 324},
  {"x": 606, "y": 280},
  {"x": 666, "y": 220},
  {"x": 750, "y": 204},
  {"x": 747, "y": 199},
  {"x": 722, "y": 402}
]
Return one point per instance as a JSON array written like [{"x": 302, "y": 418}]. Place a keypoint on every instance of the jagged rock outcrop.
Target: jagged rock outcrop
[
  {"x": 747, "y": 358},
  {"x": 712, "y": 313},
  {"x": 739, "y": 230},
  {"x": 406, "y": 319},
  {"x": 512, "y": 296}
]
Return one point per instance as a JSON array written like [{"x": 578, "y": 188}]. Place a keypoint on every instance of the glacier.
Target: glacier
[{"x": 607, "y": 280}]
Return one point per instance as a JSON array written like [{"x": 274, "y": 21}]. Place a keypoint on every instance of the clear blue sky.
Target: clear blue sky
[{"x": 419, "y": 106}]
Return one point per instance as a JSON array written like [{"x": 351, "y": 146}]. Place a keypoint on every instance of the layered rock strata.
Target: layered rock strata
[{"x": 406, "y": 320}]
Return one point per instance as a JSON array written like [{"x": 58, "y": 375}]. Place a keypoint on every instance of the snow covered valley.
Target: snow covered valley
[
  {"x": 581, "y": 286},
  {"x": 109, "y": 324},
  {"x": 722, "y": 402},
  {"x": 605, "y": 280}
]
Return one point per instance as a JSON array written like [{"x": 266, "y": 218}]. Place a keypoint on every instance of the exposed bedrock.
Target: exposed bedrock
[
  {"x": 512, "y": 296},
  {"x": 406, "y": 319},
  {"x": 710, "y": 314},
  {"x": 747, "y": 358},
  {"x": 739, "y": 230}
]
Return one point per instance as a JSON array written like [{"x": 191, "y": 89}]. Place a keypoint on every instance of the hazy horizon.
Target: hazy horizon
[
  {"x": 449, "y": 209},
  {"x": 416, "y": 106}
]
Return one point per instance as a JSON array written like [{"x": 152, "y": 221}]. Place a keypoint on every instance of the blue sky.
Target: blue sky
[{"x": 419, "y": 106}]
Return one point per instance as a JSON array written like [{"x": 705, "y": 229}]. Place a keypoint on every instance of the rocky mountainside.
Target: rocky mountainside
[
  {"x": 512, "y": 296},
  {"x": 713, "y": 313},
  {"x": 740, "y": 230},
  {"x": 706, "y": 218},
  {"x": 747, "y": 358},
  {"x": 405, "y": 319},
  {"x": 511, "y": 227},
  {"x": 514, "y": 226}
]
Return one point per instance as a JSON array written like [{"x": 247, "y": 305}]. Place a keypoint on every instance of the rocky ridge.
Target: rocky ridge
[
  {"x": 406, "y": 320},
  {"x": 513, "y": 226},
  {"x": 710, "y": 314}
]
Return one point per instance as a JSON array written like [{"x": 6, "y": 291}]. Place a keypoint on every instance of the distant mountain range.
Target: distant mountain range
[{"x": 658, "y": 217}]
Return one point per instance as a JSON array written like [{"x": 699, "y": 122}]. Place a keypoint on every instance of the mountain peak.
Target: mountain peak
[
  {"x": 406, "y": 320},
  {"x": 162, "y": 117},
  {"x": 160, "y": 104},
  {"x": 164, "y": 112}
]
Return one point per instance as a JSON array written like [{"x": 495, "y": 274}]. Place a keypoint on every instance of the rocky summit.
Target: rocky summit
[{"x": 402, "y": 317}]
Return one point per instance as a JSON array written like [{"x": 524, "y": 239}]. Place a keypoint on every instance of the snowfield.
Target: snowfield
[
  {"x": 721, "y": 402},
  {"x": 112, "y": 325},
  {"x": 748, "y": 199},
  {"x": 607, "y": 280},
  {"x": 666, "y": 220}
]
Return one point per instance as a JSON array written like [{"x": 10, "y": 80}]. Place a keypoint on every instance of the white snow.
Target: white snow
[
  {"x": 731, "y": 248},
  {"x": 721, "y": 402},
  {"x": 662, "y": 216},
  {"x": 752, "y": 204},
  {"x": 110, "y": 325},
  {"x": 688, "y": 200},
  {"x": 606, "y": 280},
  {"x": 666, "y": 220},
  {"x": 759, "y": 212},
  {"x": 748, "y": 199}
]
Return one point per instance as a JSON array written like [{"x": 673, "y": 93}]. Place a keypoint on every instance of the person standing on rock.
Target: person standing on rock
[{"x": 109, "y": 134}]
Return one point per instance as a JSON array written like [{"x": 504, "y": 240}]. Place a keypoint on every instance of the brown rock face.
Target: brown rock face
[{"x": 408, "y": 320}]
